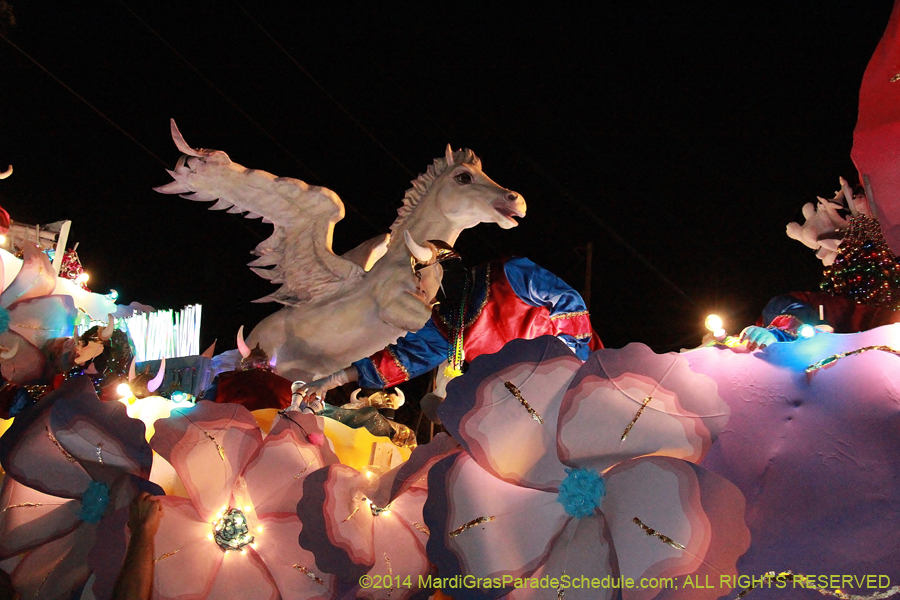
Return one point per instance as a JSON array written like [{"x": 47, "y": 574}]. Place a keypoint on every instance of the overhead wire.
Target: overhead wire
[
  {"x": 99, "y": 112},
  {"x": 341, "y": 107},
  {"x": 315, "y": 82},
  {"x": 612, "y": 232},
  {"x": 234, "y": 105}
]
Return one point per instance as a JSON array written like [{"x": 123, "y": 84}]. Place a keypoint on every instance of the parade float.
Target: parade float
[{"x": 760, "y": 464}]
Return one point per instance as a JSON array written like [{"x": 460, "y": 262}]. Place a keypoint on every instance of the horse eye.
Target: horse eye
[{"x": 464, "y": 178}]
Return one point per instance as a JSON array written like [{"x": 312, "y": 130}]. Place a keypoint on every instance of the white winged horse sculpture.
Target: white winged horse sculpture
[{"x": 336, "y": 311}]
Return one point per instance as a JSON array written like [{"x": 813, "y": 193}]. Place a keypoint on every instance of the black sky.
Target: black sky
[{"x": 678, "y": 138}]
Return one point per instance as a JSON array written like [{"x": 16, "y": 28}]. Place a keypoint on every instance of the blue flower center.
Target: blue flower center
[
  {"x": 94, "y": 502},
  {"x": 4, "y": 320},
  {"x": 231, "y": 531},
  {"x": 581, "y": 492}
]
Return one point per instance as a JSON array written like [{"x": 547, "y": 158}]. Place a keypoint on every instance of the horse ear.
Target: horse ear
[{"x": 448, "y": 155}]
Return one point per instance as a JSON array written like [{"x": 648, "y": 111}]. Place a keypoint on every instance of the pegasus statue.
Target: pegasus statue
[{"x": 338, "y": 309}]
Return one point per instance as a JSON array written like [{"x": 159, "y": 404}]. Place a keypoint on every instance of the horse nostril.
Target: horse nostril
[{"x": 512, "y": 196}]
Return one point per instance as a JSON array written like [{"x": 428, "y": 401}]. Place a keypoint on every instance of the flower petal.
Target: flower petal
[
  {"x": 337, "y": 522},
  {"x": 292, "y": 567},
  {"x": 243, "y": 576},
  {"x": 209, "y": 445},
  {"x": 690, "y": 506},
  {"x": 28, "y": 364},
  {"x": 580, "y": 560},
  {"x": 55, "y": 570},
  {"x": 30, "y": 452},
  {"x": 414, "y": 472},
  {"x": 29, "y": 518},
  {"x": 486, "y": 527},
  {"x": 186, "y": 559},
  {"x": 608, "y": 400},
  {"x": 504, "y": 410},
  {"x": 100, "y": 435},
  {"x": 36, "y": 278},
  {"x": 44, "y": 318},
  {"x": 275, "y": 475},
  {"x": 399, "y": 549}
]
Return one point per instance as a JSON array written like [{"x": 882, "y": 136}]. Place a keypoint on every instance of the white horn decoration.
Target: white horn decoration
[
  {"x": 241, "y": 344},
  {"x": 107, "y": 331},
  {"x": 154, "y": 383},
  {"x": 421, "y": 253},
  {"x": 448, "y": 155},
  {"x": 6, "y": 173},
  {"x": 354, "y": 395},
  {"x": 132, "y": 370},
  {"x": 401, "y": 398},
  {"x": 179, "y": 141},
  {"x": 8, "y": 353}
]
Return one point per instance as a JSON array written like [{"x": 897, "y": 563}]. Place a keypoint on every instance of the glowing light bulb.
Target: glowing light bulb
[
  {"x": 714, "y": 323},
  {"x": 123, "y": 390},
  {"x": 806, "y": 331},
  {"x": 82, "y": 278},
  {"x": 2, "y": 239}
]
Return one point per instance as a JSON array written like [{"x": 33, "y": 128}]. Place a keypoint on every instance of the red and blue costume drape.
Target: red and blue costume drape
[{"x": 504, "y": 300}]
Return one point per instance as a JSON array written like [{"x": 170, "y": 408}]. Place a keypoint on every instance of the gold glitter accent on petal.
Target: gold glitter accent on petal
[
  {"x": 804, "y": 581},
  {"x": 423, "y": 528},
  {"x": 22, "y": 505},
  {"x": 653, "y": 533},
  {"x": 44, "y": 580},
  {"x": 634, "y": 420},
  {"x": 515, "y": 392},
  {"x": 100, "y": 452},
  {"x": 470, "y": 525},
  {"x": 166, "y": 555},
  {"x": 836, "y": 357},
  {"x": 355, "y": 510},
  {"x": 309, "y": 574},
  {"x": 297, "y": 476},
  {"x": 53, "y": 439},
  {"x": 218, "y": 446},
  {"x": 387, "y": 561},
  {"x": 895, "y": 78}
]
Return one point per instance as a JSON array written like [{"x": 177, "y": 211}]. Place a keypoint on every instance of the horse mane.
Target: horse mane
[{"x": 424, "y": 182}]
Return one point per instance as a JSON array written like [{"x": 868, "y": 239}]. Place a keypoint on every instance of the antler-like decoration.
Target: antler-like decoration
[{"x": 298, "y": 254}]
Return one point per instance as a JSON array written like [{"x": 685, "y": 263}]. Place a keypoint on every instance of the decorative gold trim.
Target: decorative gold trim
[
  {"x": 515, "y": 392},
  {"x": 634, "y": 420},
  {"x": 470, "y": 525},
  {"x": 350, "y": 516},
  {"x": 53, "y": 439},
  {"x": 166, "y": 555},
  {"x": 569, "y": 315},
  {"x": 309, "y": 574},
  {"x": 653, "y": 533}
]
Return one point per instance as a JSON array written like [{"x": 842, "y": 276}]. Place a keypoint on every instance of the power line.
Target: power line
[
  {"x": 84, "y": 100},
  {"x": 324, "y": 91},
  {"x": 237, "y": 108}
]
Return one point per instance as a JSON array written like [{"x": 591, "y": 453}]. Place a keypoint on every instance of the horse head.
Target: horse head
[{"x": 455, "y": 194}]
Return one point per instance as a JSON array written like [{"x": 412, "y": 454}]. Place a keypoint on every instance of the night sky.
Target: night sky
[{"x": 678, "y": 138}]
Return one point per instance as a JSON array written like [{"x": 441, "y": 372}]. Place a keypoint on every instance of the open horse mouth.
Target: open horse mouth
[{"x": 510, "y": 209}]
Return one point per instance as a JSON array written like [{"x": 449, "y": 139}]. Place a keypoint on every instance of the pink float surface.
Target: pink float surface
[{"x": 816, "y": 455}]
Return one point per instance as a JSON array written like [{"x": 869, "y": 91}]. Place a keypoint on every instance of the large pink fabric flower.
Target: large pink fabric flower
[
  {"x": 358, "y": 524},
  {"x": 29, "y": 316},
  {"x": 551, "y": 484},
  {"x": 73, "y": 465},
  {"x": 235, "y": 536}
]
